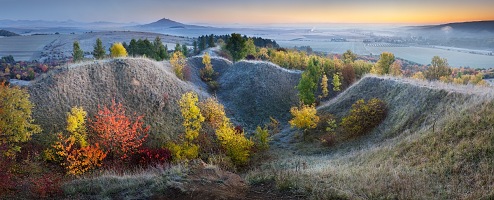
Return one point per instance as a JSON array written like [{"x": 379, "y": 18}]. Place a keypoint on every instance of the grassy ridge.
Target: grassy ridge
[
  {"x": 143, "y": 86},
  {"x": 436, "y": 143}
]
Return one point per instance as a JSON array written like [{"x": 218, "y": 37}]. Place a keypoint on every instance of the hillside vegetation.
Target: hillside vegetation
[
  {"x": 435, "y": 143},
  {"x": 143, "y": 86},
  {"x": 251, "y": 91}
]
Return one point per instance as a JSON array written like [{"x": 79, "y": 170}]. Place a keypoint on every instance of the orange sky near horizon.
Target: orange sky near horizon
[
  {"x": 411, "y": 14},
  {"x": 253, "y": 11}
]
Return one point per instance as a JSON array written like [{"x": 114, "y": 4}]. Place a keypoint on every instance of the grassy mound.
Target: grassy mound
[
  {"x": 437, "y": 142},
  {"x": 253, "y": 91},
  {"x": 143, "y": 86}
]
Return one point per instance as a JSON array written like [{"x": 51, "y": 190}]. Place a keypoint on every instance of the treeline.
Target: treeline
[
  {"x": 155, "y": 49},
  {"x": 208, "y": 41}
]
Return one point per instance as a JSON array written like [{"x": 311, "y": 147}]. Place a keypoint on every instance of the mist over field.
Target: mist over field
[{"x": 415, "y": 43}]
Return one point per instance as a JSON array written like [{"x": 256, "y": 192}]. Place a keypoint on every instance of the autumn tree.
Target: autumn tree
[
  {"x": 213, "y": 112},
  {"x": 78, "y": 160},
  {"x": 418, "y": 76},
  {"x": 395, "y": 69},
  {"x": 347, "y": 76},
  {"x": 250, "y": 47},
  {"x": 74, "y": 151},
  {"x": 236, "y": 145},
  {"x": 236, "y": 46},
  {"x": 304, "y": 117},
  {"x": 336, "y": 82},
  {"x": 383, "y": 64},
  {"x": 439, "y": 68},
  {"x": 361, "y": 68},
  {"x": 191, "y": 113},
  {"x": 118, "y": 50},
  {"x": 364, "y": 117},
  {"x": 207, "y": 73},
  {"x": 263, "y": 54},
  {"x": 16, "y": 122},
  {"x": 120, "y": 136},
  {"x": 76, "y": 125},
  {"x": 77, "y": 52},
  {"x": 262, "y": 138},
  {"x": 349, "y": 57},
  {"x": 178, "y": 63},
  {"x": 99, "y": 50},
  {"x": 324, "y": 86}
]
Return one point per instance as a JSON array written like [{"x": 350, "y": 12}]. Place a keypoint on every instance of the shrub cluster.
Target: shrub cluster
[
  {"x": 364, "y": 117},
  {"x": 227, "y": 140}
]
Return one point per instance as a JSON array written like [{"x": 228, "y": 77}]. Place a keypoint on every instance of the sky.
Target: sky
[{"x": 251, "y": 11}]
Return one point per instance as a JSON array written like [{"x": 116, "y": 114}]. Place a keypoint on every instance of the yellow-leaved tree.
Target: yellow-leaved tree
[
  {"x": 418, "y": 76},
  {"x": 178, "y": 63},
  {"x": 324, "y": 86},
  {"x": 193, "y": 118},
  {"x": 118, "y": 50},
  {"x": 16, "y": 123},
  {"x": 76, "y": 125},
  {"x": 395, "y": 69},
  {"x": 304, "y": 117},
  {"x": 191, "y": 114},
  {"x": 236, "y": 145},
  {"x": 207, "y": 73},
  {"x": 336, "y": 82},
  {"x": 213, "y": 112}
]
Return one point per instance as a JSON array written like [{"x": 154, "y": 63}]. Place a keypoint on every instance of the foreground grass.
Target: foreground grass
[
  {"x": 446, "y": 156},
  {"x": 143, "y": 184}
]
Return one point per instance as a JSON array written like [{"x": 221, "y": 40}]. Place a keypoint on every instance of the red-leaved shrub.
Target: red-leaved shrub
[{"x": 152, "y": 156}]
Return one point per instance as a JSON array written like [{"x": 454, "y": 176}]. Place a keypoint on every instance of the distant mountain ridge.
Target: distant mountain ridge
[
  {"x": 7, "y": 23},
  {"x": 6, "y": 33},
  {"x": 168, "y": 23},
  {"x": 474, "y": 26}
]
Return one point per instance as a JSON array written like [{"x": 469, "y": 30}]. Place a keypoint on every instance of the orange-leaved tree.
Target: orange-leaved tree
[
  {"x": 74, "y": 152},
  {"x": 76, "y": 159},
  {"x": 119, "y": 136}
]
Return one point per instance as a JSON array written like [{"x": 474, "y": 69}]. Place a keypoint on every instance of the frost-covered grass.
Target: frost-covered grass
[{"x": 436, "y": 143}]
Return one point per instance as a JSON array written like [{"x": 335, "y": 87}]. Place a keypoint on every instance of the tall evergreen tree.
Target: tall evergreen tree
[
  {"x": 178, "y": 48},
  {"x": 99, "y": 50},
  {"x": 196, "y": 51},
  {"x": 77, "y": 54},
  {"x": 132, "y": 47},
  {"x": 236, "y": 46},
  {"x": 185, "y": 50},
  {"x": 161, "y": 52},
  {"x": 211, "y": 41},
  {"x": 202, "y": 43}
]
